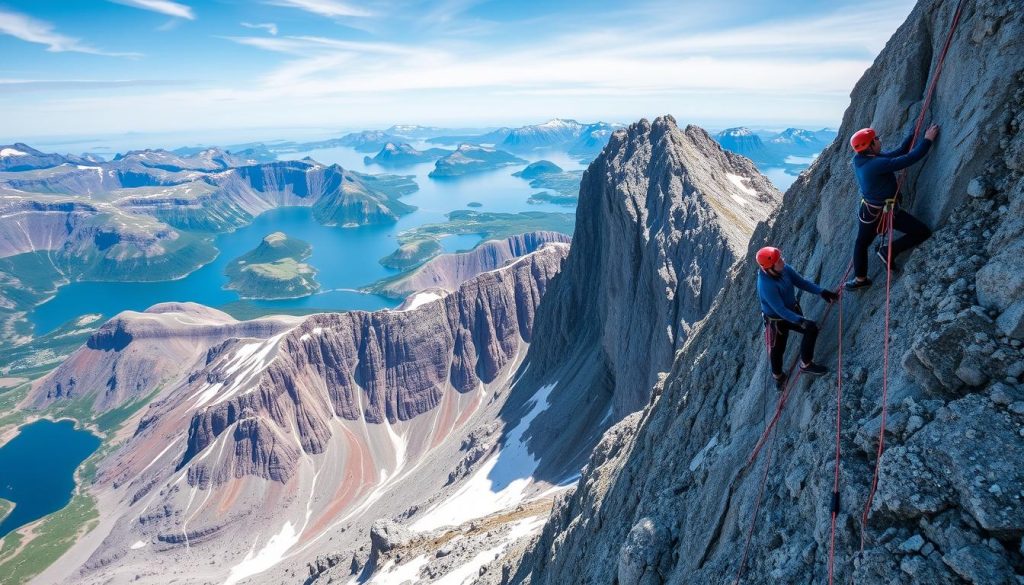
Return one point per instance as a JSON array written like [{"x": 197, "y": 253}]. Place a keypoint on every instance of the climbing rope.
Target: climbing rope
[
  {"x": 888, "y": 218},
  {"x": 839, "y": 427}
]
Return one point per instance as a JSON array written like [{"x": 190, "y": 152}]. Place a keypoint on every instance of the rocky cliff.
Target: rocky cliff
[{"x": 667, "y": 497}]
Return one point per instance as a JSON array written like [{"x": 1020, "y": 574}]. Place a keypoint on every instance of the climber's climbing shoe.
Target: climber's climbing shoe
[
  {"x": 854, "y": 284},
  {"x": 780, "y": 381},
  {"x": 813, "y": 369}
]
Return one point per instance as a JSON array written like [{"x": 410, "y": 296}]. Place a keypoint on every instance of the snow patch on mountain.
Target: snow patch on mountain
[
  {"x": 499, "y": 484},
  {"x": 268, "y": 556}
]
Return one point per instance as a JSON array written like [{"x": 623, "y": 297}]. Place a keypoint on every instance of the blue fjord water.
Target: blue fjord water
[
  {"x": 346, "y": 258},
  {"x": 37, "y": 469}
]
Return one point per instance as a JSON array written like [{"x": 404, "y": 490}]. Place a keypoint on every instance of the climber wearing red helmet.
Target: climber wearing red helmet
[
  {"x": 876, "y": 175},
  {"x": 776, "y": 284}
]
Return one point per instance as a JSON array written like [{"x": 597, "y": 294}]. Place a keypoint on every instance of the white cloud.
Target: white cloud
[
  {"x": 29, "y": 29},
  {"x": 270, "y": 27},
  {"x": 329, "y": 8},
  {"x": 167, "y": 7}
]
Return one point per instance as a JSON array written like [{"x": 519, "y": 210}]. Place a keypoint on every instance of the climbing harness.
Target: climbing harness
[{"x": 880, "y": 214}]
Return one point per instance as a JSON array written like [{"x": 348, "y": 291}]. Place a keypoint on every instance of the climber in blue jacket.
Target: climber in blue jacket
[
  {"x": 876, "y": 175},
  {"x": 776, "y": 284}
]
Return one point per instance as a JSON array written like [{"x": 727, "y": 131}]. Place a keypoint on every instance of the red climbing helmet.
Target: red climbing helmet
[
  {"x": 768, "y": 256},
  {"x": 862, "y": 139}
]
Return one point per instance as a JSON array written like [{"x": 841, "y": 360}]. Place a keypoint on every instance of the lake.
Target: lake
[
  {"x": 37, "y": 469},
  {"x": 346, "y": 258}
]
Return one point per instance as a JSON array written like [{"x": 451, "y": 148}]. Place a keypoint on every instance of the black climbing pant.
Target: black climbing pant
[
  {"x": 778, "y": 335},
  {"x": 913, "y": 230}
]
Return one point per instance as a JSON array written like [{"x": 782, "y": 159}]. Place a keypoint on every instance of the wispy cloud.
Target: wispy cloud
[
  {"x": 10, "y": 86},
  {"x": 31, "y": 30},
  {"x": 311, "y": 46},
  {"x": 167, "y": 7},
  {"x": 270, "y": 27},
  {"x": 329, "y": 8}
]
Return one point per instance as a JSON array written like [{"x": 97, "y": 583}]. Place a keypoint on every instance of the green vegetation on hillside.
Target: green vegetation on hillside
[
  {"x": 5, "y": 508},
  {"x": 273, "y": 270},
  {"x": 53, "y": 536},
  {"x": 562, "y": 187},
  {"x": 412, "y": 253}
]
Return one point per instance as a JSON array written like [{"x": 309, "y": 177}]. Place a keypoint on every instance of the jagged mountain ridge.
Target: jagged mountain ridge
[
  {"x": 257, "y": 418},
  {"x": 665, "y": 497},
  {"x": 775, "y": 148},
  {"x": 668, "y": 212}
]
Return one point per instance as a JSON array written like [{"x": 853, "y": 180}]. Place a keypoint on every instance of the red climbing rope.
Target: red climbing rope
[
  {"x": 839, "y": 428},
  {"x": 757, "y": 508},
  {"x": 888, "y": 273}
]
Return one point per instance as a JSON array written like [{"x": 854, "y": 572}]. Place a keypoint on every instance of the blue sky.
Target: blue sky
[{"x": 75, "y": 67}]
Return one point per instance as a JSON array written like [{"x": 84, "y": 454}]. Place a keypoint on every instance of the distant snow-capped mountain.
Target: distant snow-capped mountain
[
  {"x": 579, "y": 139},
  {"x": 367, "y": 140},
  {"x": 774, "y": 147},
  {"x": 22, "y": 157},
  {"x": 744, "y": 141}
]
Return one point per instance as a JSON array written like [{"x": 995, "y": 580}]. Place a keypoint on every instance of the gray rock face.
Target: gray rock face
[
  {"x": 951, "y": 471},
  {"x": 386, "y": 535},
  {"x": 663, "y": 215},
  {"x": 645, "y": 544},
  {"x": 448, "y": 271}
]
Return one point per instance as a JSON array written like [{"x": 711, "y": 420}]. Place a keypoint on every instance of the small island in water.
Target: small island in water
[
  {"x": 5, "y": 508},
  {"x": 273, "y": 270}
]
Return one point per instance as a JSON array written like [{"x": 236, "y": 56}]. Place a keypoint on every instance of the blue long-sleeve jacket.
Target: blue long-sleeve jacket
[
  {"x": 876, "y": 174},
  {"x": 778, "y": 294}
]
